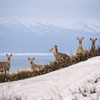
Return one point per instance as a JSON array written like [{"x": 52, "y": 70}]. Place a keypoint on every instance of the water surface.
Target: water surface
[{"x": 22, "y": 62}]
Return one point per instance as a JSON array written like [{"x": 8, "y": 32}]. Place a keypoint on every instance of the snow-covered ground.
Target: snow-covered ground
[{"x": 77, "y": 82}]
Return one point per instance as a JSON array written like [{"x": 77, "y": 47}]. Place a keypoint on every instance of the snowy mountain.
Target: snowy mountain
[
  {"x": 80, "y": 81},
  {"x": 40, "y": 35}
]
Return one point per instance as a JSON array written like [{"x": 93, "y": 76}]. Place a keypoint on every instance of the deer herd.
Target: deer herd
[{"x": 5, "y": 66}]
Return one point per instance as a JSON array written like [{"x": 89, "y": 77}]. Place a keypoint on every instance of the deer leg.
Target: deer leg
[
  {"x": 8, "y": 71},
  {"x": 5, "y": 71}
]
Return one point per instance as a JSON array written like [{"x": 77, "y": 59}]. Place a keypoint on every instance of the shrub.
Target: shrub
[{"x": 58, "y": 64}]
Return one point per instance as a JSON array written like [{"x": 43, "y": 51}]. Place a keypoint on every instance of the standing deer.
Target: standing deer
[
  {"x": 80, "y": 49},
  {"x": 5, "y": 66},
  {"x": 93, "y": 44},
  {"x": 59, "y": 55},
  {"x": 33, "y": 66}
]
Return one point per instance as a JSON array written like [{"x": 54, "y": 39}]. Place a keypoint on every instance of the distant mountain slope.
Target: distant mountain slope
[{"x": 39, "y": 36}]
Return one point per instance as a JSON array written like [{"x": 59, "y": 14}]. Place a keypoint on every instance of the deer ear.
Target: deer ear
[
  {"x": 28, "y": 58},
  {"x": 33, "y": 58},
  {"x": 56, "y": 46},
  {"x": 77, "y": 37},
  {"x": 95, "y": 38},
  {"x": 6, "y": 54},
  {"x": 90, "y": 38},
  {"x": 11, "y": 54},
  {"x": 82, "y": 37}
]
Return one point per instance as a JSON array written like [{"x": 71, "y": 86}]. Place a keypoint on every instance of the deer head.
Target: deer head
[
  {"x": 54, "y": 49},
  {"x": 8, "y": 56},
  {"x": 31, "y": 60},
  {"x": 80, "y": 39}
]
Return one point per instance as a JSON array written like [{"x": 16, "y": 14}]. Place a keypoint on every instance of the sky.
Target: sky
[
  {"x": 50, "y": 9},
  {"x": 49, "y": 19}
]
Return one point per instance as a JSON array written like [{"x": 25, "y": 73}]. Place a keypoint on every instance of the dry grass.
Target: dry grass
[{"x": 52, "y": 66}]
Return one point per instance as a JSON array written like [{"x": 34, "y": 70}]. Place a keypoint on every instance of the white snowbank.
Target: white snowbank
[{"x": 63, "y": 84}]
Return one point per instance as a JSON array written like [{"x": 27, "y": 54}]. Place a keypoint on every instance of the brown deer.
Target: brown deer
[
  {"x": 34, "y": 66},
  {"x": 59, "y": 55},
  {"x": 80, "y": 49},
  {"x": 93, "y": 44},
  {"x": 5, "y": 66}
]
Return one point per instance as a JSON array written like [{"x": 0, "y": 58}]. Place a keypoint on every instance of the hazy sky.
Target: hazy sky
[{"x": 50, "y": 8}]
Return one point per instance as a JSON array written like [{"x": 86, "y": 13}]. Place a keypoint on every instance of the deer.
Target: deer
[
  {"x": 93, "y": 44},
  {"x": 80, "y": 49},
  {"x": 34, "y": 66},
  {"x": 5, "y": 66},
  {"x": 58, "y": 55}
]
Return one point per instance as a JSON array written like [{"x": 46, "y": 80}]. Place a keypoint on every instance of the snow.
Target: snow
[
  {"x": 25, "y": 54},
  {"x": 69, "y": 23},
  {"x": 63, "y": 84}
]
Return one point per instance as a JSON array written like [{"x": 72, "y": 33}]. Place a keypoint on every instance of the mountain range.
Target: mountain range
[{"x": 39, "y": 36}]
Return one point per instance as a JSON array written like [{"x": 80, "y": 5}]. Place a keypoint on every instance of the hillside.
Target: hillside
[{"x": 80, "y": 81}]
